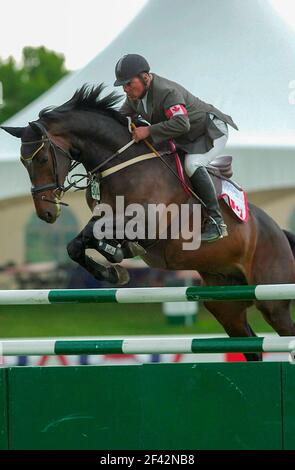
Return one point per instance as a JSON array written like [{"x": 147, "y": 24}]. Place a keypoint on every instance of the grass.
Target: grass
[{"x": 104, "y": 319}]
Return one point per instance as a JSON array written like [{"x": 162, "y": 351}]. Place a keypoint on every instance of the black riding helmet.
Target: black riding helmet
[{"x": 128, "y": 67}]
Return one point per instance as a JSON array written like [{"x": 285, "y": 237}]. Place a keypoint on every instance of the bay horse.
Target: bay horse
[{"x": 89, "y": 129}]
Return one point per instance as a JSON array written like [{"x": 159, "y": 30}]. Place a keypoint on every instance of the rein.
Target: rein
[
  {"x": 56, "y": 186},
  {"x": 90, "y": 175}
]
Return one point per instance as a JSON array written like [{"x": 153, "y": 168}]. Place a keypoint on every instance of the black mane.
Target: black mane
[{"x": 87, "y": 98}]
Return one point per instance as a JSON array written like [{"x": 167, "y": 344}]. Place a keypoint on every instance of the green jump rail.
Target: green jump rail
[
  {"x": 146, "y": 346},
  {"x": 147, "y": 294}
]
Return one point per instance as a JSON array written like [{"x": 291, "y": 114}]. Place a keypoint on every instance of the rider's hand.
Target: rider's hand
[{"x": 140, "y": 133}]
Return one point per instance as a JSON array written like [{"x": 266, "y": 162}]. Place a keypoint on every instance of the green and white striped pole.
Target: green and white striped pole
[
  {"x": 146, "y": 346},
  {"x": 148, "y": 294}
]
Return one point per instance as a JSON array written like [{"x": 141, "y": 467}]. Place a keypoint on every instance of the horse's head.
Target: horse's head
[
  {"x": 87, "y": 130},
  {"x": 48, "y": 161}
]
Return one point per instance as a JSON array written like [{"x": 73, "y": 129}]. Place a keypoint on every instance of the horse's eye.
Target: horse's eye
[{"x": 43, "y": 159}]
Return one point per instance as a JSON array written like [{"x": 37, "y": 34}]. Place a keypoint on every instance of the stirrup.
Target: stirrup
[
  {"x": 224, "y": 231},
  {"x": 221, "y": 230},
  {"x": 220, "y": 225}
]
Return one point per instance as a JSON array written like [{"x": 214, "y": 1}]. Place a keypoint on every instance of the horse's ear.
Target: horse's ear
[
  {"x": 15, "y": 131},
  {"x": 38, "y": 128}
]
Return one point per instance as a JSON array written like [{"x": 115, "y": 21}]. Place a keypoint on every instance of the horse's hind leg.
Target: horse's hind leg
[
  {"x": 233, "y": 317},
  {"x": 277, "y": 314},
  {"x": 274, "y": 264}
]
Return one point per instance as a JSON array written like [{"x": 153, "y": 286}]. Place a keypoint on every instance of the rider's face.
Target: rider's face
[{"x": 134, "y": 88}]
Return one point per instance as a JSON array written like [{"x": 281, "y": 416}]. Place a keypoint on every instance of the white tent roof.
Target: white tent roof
[{"x": 235, "y": 54}]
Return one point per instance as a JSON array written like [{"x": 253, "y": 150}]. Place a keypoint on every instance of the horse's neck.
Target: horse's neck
[
  {"x": 96, "y": 152},
  {"x": 149, "y": 181},
  {"x": 99, "y": 154}
]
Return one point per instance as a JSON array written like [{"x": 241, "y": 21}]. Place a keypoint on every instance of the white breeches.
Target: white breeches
[{"x": 195, "y": 160}]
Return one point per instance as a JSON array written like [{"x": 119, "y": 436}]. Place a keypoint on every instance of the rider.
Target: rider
[{"x": 198, "y": 128}]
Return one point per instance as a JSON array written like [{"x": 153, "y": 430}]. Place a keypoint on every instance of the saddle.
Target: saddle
[
  {"x": 221, "y": 166},
  {"x": 221, "y": 172},
  {"x": 221, "y": 169},
  {"x": 233, "y": 194}
]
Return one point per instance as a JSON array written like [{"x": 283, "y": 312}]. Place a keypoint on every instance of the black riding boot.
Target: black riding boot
[{"x": 214, "y": 227}]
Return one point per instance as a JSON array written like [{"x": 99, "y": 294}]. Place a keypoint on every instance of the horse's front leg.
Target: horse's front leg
[
  {"x": 110, "y": 249},
  {"x": 125, "y": 248},
  {"x": 113, "y": 250},
  {"x": 77, "y": 252}
]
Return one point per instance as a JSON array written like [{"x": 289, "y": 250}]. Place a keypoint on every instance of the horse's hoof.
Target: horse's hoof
[
  {"x": 133, "y": 249},
  {"x": 120, "y": 275}
]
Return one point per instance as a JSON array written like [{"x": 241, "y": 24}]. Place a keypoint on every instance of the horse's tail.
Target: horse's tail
[{"x": 291, "y": 239}]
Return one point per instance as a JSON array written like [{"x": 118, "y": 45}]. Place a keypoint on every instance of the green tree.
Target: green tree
[{"x": 40, "y": 68}]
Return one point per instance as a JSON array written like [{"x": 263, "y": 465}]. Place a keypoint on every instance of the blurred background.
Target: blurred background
[{"x": 238, "y": 55}]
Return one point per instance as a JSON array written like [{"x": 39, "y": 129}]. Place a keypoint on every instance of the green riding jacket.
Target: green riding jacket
[{"x": 193, "y": 132}]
